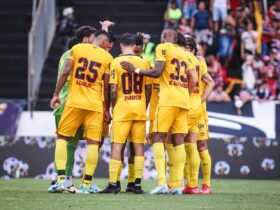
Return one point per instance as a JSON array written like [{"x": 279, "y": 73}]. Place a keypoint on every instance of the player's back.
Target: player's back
[
  {"x": 174, "y": 79},
  {"x": 90, "y": 64},
  {"x": 131, "y": 99}
]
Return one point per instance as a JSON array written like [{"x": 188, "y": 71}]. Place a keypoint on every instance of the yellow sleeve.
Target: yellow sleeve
[
  {"x": 72, "y": 53},
  {"x": 203, "y": 67},
  {"x": 161, "y": 52},
  {"x": 190, "y": 64},
  {"x": 108, "y": 63},
  {"x": 113, "y": 73},
  {"x": 147, "y": 66}
]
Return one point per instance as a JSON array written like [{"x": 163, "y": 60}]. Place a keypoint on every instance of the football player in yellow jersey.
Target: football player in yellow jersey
[
  {"x": 176, "y": 77},
  {"x": 196, "y": 118},
  {"x": 90, "y": 68},
  {"x": 128, "y": 96}
]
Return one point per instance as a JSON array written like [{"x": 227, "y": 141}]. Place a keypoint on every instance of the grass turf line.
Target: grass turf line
[{"x": 228, "y": 194}]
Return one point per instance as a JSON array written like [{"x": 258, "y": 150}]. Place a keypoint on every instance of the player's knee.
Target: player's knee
[
  {"x": 158, "y": 137},
  {"x": 201, "y": 146},
  {"x": 191, "y": 137},
  {"x": 177, "y": 139}
]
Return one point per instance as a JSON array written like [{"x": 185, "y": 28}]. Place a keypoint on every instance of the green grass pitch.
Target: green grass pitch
[{"x": 228, "y": 194}]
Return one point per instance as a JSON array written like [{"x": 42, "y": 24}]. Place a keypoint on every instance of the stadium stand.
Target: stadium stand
[
  {"x": 15, "y": 22},
  {"x": 128, "y": 16}
]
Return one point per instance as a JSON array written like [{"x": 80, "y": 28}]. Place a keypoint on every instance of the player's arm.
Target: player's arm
[
  {"x": 106, "y": 86},
  {"x": 155, "y": 72},
  {"x": 62, "y": 79},
  {"x": 106, "y": 24},
  {"x": 209, "y": 86},
  {"x": 148, "y": 92},
  {"x": 192, "y": 80},
  {"x": 114, "y": 94}
]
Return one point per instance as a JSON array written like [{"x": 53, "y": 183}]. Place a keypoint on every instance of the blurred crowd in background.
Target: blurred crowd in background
[{"x": 240, "y": 40}]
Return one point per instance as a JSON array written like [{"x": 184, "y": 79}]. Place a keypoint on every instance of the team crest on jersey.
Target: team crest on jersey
[{"x": 163, "y": 52}]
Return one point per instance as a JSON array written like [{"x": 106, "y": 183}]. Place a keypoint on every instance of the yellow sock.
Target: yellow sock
[
  {"x": 170, "y": 151},
  {"x": 90, "y": 163},
  {"x": 138, "y": 166},
  {"x": 61, "y": 158},
  {"x": 179, "y": 164},
  {"x": 205, "y": 159},
  {"x": 131, "y": 177},
  {"x": 114, "y": 168},
  {"x": 187, "y": 169},
  {"x": 120, "y": 172},
  {"x": 159, "y": 157},
  {"x": 194, "y": 160}
]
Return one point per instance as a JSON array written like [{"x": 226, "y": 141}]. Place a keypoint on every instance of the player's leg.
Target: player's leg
[
  {"x": 70, "y": 121},
  {"x": 205, "y": 158},
  {"x": 162, "y": 123},
  {"x": 171, "y": 154},
  {"x": 178, "y": 131},
  {"x": 193, "y": 157},
  {"x": 131, "y": 175},
  {"x": 93, "y": 132},
  {"x": 138, "y": 137},
  {"x": 120, "y": 132}
]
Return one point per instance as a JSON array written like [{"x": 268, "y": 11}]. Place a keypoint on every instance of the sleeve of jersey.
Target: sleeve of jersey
[
  {"x": 190, "y": 64},
  {"x": 204, "y": 69},
  {"x": 72, "y": 53},
  {"x": 109, "y": 61},
  {"x": 113, "y": 73},
  {"x": 148, "y": 80},
  {"x": 161, "y": 52}
]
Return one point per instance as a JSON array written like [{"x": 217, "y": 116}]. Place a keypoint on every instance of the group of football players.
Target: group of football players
[{"x": 94, "y": 89}]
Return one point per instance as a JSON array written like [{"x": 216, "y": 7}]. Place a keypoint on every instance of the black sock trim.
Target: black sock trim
[
  {"x": 61, "y": 172},
  {"x": 87, "y": 177}
]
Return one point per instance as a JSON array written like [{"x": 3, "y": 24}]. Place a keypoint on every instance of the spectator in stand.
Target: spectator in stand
[
  {"x": 189, "y": 7},
  {"x": 263, "y": 92},
  {"x": 244, "y": 96},
  {"x": 249, "y": 41},
  {"x": 219, "y": 95},
  {"x": 241, "y": 19},
  {"x": 274, "y": 12},
  {"x": 219, "y": 11},
  {"x": 215, "y": 69},
  {"x": 268, "y": 74},
  {"x": 247, "y": 72},
  {"x": 227, "y": 33},
  {"x": 67, "y": 26},
  {"x": 172, "y": 15},
  {"x": 257, "y": 66},
  {"x": 201, "y": 24},
  {"x": 148, "y": 49},
  {"x": 183, "y": 26},
  {"x": 267, "y": 33}
]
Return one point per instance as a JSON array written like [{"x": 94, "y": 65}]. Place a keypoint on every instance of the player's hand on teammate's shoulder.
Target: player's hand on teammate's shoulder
[
  {"x": 128, "y": 66},
  {"x": 55, "y": 102}
]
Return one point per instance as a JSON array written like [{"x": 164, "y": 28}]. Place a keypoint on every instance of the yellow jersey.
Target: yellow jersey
[
  {"x": 86, "y": 82},
  {"x": 154, "y": 97},
  {"x": 131, "y": 99},
  {"x": 204, "y": 69},
  {"x": 174, "y": 79},
  {"x": 195, "y": 97}
]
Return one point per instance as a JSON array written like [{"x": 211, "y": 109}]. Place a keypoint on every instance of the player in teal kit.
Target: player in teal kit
[{"x": 72, "y": 144}]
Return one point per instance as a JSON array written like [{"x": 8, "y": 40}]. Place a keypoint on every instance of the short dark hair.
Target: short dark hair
[
  {"x": 101, "y": 32},
  {"x": 72, "y": 41},
  {"x": 112, "y": 38},
  {"x": 84, "y": 31},
  {"x": 139, "y": 40},
  {"x": 192, "y": 44},
  {"x": 181, "y": 40},
  {"x": 128, "y": 39}
]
